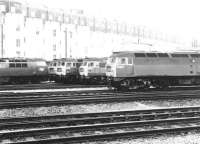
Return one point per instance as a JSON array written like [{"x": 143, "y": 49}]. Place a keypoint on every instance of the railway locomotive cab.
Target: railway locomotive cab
[
  {"x": 65, "y": 70},
  {"x": 17, "y": 71},
  {"x": 132, "y": 70},
  {"x": 52, "y": 70},
  {"x": 93, "y": 71}
]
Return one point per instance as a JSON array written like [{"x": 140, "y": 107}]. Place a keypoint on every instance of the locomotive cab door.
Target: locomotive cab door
[{"x": 125, "y": 67}]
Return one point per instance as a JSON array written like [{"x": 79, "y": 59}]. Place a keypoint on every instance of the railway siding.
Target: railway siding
[{"x": 148, "y": 122}]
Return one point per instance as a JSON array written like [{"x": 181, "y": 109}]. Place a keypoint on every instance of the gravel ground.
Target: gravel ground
[
  {"x": 190, "y": 138},
  {"x": 70, "y": 109}
]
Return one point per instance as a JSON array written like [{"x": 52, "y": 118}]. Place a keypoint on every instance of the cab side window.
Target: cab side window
[
  {"x": 11, "y": 65},
  {"x": 130, "y": 61},
  {"x": 68, "y": 64},
  {"x": 91, "y": 64},
  {"x": 102, "y": 65},
  {"x": 122, "y": 61}
]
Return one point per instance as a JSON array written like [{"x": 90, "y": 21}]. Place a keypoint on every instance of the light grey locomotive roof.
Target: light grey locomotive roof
[
  {"x": 20, "y": 59},
  {"x": 156, "y": 54}
]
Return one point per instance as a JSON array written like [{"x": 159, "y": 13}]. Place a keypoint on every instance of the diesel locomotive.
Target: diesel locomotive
[
  {"x": 21, "y": 70},
  {"x": 131, "y": 70},
  {"x": 93, "y": 71},
  {"x": 65, "y": 70}
]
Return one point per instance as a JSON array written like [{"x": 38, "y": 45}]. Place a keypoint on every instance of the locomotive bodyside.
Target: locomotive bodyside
[
  {"x": 22, "y": 70},
  {"x": 128, "y": 69}
]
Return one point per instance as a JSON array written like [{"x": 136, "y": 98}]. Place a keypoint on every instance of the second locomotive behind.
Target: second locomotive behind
[
  {"x": 22, "y": 70},
  {"x": 65, "y": 70},
  {"x": 93, "y": 71}
]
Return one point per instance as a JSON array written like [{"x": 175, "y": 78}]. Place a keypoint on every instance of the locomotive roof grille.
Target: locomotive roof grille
[{"x": 179, "y": 55}]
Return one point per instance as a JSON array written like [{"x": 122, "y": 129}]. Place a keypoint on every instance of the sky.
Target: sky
[{"x": 176, "y": 17}]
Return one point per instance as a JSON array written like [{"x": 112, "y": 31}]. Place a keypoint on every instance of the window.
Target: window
[
  {"x": 151, "y": 55},
  {"x": 18, "y": 53},
  {"x": 18, "y": 65},
  {"x": 51, "y": 69},
  {"x": 54, "y": 56},
  {"x": 195, "y": 55},
  {"x": 11, "y": 65},
  {"x": 2, "y": 60},
  {"x": 74, "y": 64},
  {"x": 112, "y": 60},
  {"x": 68, "y": 64},
  {"x": 59, "y": 70},
  {"x": 63, "y": 63},
  {"x": 102, "y": 65},
  {"x": 37, "y": 32},
  {"x": 54, "y": 47},
  {"x": 54, "y": 64},
  {"x": 54, "y": 32},
  {"x": 59, "y": 63},
  {"x": 139, "y": 55},
  {"x": 24, "y": 65},
  {"x": 91, "y": 64},
  {"x": 163, "y": 55},
  {"x": 130, "y": 61},
  {"x": 179, "y": 55},
  {"x": 122, "y": 61},
  {"x": 17, "y": 42},
  {"x": 18, "y": 28}
]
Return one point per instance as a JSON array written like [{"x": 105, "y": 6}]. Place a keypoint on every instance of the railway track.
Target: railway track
[
  {"x": 98, "y": 126},
  {"x": 63, "y": 98},
  {"x": 44, "y": 86},
  {"x": 51, "y": 85}
]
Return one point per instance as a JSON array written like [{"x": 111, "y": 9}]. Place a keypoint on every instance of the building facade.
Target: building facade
[{"x": 31, "y": 32}]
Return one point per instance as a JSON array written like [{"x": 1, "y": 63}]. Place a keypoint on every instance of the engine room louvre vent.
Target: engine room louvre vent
[
  {"x": 17, "y": 60},
  {"x": 179, "y": 55},
  {"x": 195, "y": 55},
  {"x": 163, "y": 55},
  {"x": 139, "y": 55},
  {"x": 151, "y": 55}
]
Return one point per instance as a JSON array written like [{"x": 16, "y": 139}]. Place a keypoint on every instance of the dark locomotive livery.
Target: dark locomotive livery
[
  {"x": 21, "y": 70},
  {"x": 130, "y": 70}
]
